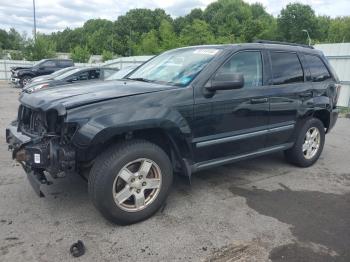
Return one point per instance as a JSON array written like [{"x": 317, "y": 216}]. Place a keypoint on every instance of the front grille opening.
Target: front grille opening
[{"x": 31, "y": 121}]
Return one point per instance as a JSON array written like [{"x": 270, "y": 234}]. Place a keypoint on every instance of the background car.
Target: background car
[
  {"x": 21, "y": 75},
  {"x": 121, "y": 73},
  {"x": 72, "y": 76},
  {"x": 50, "y": 76}
]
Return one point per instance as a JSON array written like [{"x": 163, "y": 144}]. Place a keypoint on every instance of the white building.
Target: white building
[{"x": 339, "y": 57}]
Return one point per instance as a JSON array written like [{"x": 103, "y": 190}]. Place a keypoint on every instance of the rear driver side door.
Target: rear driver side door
[{"x": 288, "y": 94}]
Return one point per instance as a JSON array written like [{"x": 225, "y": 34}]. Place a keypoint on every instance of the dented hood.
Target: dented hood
[{"x": 74, "y": 95}]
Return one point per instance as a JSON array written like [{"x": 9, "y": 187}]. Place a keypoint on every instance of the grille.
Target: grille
[{"x": 31, "y": 121}]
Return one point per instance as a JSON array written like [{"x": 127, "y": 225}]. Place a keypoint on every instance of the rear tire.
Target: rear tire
[
  {"x": 130, "y": 181},
  {"x": 308, "y": 145}
]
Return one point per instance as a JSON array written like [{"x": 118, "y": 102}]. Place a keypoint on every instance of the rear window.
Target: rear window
[
  {"x": 286, "y": 68},
  {"x": 318, "y": 70}
]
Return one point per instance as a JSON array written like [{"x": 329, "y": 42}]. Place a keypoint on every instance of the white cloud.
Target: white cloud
[{"x": 53, "y": 15}]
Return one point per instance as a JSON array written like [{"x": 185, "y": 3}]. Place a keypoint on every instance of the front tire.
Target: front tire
[
  {"x": 24, "y": 81},
  {"x": 308, "y": 145},
  {"x": 130, "y": 181}
]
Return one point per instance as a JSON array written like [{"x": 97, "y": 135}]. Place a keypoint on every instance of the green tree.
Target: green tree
[
  {"x": 145, "y": 31},
  {"x": 339, "y": 30},
  {"x": 295, "y": 18},
  {"x": 99, "y": 35},
  {"x": 80, "y": 54},
  {"x": 324, "y": 23},
  {"x": 15, "y": 39},
  {"x": 107, "y": 55},
  {"x": 4, "y": 39},
  {"x": 167, "y": 36},
  {"x": 149, "y": 44},
  {"x": 130, "y": 29},
  {"x": 197, "y": 33},
  {"x": 42, "y": 48},
  {"x": 16, "y": 55},
  {"x": 227, "y": 17}
]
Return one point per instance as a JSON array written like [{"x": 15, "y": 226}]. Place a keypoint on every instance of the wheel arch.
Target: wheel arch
[
  {"x": 172, "y": 141},
  {"x": 324, "y": 116}
]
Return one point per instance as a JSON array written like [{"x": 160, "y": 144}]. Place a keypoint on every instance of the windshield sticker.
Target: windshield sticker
[{"x": 205, "y": 51}]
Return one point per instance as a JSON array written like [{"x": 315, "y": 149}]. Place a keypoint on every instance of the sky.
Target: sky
[{"x": 55, "y": 15}]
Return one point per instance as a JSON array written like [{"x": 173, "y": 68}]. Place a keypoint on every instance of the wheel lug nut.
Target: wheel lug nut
[
  {"x": 144, "y": 183},
  {"x": 140, "y": 177},
  {"x": 138, "y": 190}
]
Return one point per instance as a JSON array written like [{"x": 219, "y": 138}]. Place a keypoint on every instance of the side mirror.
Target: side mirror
[{"x": 226, "y": 82}]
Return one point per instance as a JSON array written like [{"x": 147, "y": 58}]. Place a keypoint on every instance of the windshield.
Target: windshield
[
  {"x": 177, "y": 67},
  {"x": 38, "y": 63},
  {"x": 69, "y": 73},
  {"x": 121, "y": 73}
]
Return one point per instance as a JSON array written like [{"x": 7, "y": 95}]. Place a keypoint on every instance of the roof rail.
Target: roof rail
[{"x": 282, "y": 43}]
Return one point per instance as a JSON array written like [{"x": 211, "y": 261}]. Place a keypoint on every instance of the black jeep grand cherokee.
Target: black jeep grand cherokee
[{"x": 185, "y": 110}]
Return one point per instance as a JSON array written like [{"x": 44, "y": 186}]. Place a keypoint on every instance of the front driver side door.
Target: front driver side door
[{"x": 232, "y": 122}]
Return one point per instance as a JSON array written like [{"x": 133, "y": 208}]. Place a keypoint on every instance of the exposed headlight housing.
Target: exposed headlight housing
[{"x": 36, "y": 88}]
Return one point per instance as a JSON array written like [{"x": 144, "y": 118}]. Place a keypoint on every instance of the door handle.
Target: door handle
[
  {"x": 259, "y": 100},
  {"x": 306, "y": 94}
]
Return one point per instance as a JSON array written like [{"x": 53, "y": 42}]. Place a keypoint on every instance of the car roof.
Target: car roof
[
  {"x": 57, "y": 59},
  {"x": 270, "y": 45}
]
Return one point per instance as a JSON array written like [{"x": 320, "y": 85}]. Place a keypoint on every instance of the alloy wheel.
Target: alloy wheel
[
  {"x": 312, "y": 143},
  {"x": 137, "y": 185}
]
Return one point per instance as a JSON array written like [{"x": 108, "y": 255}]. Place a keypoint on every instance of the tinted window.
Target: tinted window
[
  {"x": 286, "y": 68},
  {"x": 318, "y": 70},
  {"x": 247, "y": 63},
  {"x": 48, "y": 64},
  {"x": 65, "y": 63},
  {"x": 94, "y": 74},
  {"x": 81, "y": 76}
]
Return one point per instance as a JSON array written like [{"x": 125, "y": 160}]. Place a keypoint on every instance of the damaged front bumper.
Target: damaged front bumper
[{"x": 39, "y": 154}]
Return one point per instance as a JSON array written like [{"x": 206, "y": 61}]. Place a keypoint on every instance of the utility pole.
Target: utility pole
[
  {"x": 130, "y": 42},
  {"x": 308, "y": 36},
  {"x": 34, "y": 31}
]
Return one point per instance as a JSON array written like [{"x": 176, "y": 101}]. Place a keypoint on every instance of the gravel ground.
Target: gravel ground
[{"x": 256, "y": 210}]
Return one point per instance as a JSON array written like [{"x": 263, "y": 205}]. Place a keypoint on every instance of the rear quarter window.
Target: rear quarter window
[
  {"x": 286, "y": 68},
  {"x": 318, "y": 69}
]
